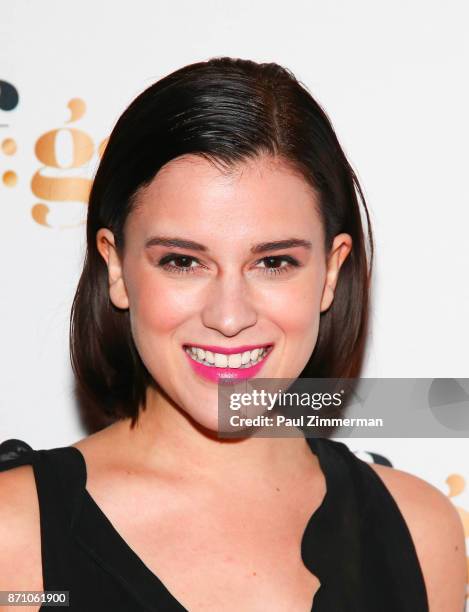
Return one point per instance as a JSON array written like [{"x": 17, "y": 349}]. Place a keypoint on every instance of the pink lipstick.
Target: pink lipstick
[{"x": 216, "y": 374}]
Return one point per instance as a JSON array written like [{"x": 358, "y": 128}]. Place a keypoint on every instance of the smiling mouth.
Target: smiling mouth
[{"x": 243, "y": 360}]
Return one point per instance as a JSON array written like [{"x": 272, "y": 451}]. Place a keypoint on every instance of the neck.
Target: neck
[{"x": 165, "y": 437}]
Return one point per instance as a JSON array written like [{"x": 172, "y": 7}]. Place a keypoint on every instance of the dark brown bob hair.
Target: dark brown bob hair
[{"x": 226, "y": 110}]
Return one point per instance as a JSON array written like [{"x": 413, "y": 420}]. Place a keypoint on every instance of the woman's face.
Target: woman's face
[{"x": 229, "y": 262}]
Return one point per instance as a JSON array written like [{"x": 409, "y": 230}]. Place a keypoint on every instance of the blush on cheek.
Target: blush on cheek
[
  {"x": 295, "y": 308},
  {"x": 161, "y": 309},
  {"x": 164, "y": 302},
  {"x": 297, "y": 314}
]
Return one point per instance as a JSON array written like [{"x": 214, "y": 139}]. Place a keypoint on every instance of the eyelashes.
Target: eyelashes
[{"x": 188, "y": 260}]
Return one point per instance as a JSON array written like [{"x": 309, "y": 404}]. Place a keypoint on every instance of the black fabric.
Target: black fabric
[{"x": 357, "y": 542}]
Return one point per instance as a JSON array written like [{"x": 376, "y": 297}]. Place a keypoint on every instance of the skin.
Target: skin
[
  {"x": 230, "y": 298},
  {"x": 172, "y": 462}
]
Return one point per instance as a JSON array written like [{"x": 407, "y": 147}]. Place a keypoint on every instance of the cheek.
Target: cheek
[
  {"x": 296, "y": 309},
  {"x": 156, "y": 313},
  {"x": 156, "y": 306}
]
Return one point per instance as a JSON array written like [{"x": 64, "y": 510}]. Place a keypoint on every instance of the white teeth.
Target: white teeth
[
  {"x": 221, "y": 360},
  {"x": 246, "y": 356},
  {"x": 234, "y": 361}
]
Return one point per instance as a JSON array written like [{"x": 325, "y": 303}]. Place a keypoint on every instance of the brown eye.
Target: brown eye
[
  {"x": 182, "y": 263},
  {"x": 274, "y": 264}
]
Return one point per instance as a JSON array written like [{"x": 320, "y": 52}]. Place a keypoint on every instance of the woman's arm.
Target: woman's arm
[
  {"x": 20, "y": 536},
  {"x": 438, "y": 534}
]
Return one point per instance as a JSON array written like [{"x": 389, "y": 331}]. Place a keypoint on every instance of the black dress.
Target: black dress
[{"x": 357, "y": 542}]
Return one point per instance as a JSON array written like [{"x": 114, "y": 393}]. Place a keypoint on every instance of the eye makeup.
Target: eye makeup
[{"x": 167, "y": 263}]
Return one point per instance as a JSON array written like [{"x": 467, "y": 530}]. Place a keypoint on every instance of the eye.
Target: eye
[
  {"x": 274, "y": 260},
  {"x": 183, "y": 263}
]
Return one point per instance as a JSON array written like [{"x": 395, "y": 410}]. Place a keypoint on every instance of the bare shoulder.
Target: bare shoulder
[
  {"x": 20, "y": 535},
  {"x": 101, "y": 450},
  {"x": 438, "y": 534}
]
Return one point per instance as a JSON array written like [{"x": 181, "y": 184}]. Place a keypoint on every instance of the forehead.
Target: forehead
[{"x": 192, "y": 194}]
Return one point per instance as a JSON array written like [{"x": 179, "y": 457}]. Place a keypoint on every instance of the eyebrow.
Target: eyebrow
[{"x": 262, "y": 247}]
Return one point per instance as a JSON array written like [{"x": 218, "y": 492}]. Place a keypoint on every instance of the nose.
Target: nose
[{"x": 228, "y": 306}]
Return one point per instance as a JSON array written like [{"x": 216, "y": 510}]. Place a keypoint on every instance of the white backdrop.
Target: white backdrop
[{"x": 393, "y": 79}]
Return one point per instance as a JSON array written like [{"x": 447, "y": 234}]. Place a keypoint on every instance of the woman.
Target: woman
[{"x": 221, "y": 215}]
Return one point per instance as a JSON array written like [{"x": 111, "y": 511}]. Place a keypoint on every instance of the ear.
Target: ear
[
  {"x": 106, "y": 246},
  {"x": 341, "y": 247}
]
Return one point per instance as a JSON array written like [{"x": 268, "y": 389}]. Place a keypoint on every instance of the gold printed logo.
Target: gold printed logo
[
  {"x": 65, "y": 153},
  {"x": 9, "y": 99}
]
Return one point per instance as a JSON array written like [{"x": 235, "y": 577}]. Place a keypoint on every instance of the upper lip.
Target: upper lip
[{"x": 229, "y": 351}]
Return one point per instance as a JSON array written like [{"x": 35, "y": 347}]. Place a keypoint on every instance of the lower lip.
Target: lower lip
[{"x": 226, "y": 375}]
